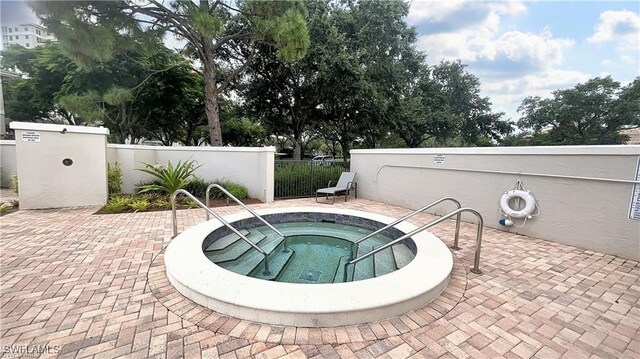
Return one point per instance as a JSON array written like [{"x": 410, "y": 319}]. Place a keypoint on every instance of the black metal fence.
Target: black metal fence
[{"x": 295, "y": 179}]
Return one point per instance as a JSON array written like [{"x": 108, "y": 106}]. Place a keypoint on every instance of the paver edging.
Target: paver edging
[{"x": 208, "y": 319}]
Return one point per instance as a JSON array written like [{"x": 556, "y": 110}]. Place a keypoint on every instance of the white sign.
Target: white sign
[
  {"x": 30, "y": 136},
  {"x": 634, "y": 211},
  {"x": 438, "y": 159}
]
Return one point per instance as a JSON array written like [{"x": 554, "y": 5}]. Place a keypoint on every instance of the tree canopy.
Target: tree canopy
[
  {"x": 591, "y": 113},
  {"x": 216, "y": 32},
  {"x": 136, "y": 96},
  {"x": 243, "y": 80},
  {"x": 364, "y": 79}
]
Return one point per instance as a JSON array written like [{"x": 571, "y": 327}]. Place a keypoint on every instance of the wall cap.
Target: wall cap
[
  {"x": 49, "y": 127},
  {"x": 193, "y": 148},
  {"x": 633, "y": 150}
]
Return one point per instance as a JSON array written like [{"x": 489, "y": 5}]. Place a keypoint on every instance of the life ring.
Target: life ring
[{"x": 530, "y": 203}]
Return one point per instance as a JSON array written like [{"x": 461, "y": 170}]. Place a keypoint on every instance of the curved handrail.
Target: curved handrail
[
  {"x": 229, "y": 195},
  {"x": 476, "y": 262},
  {"x": 175, "y": 194},
  {"x": 457, "y": 232}
]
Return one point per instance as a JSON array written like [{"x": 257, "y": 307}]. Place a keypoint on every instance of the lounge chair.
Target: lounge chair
[{"x": 345, "y": 184}]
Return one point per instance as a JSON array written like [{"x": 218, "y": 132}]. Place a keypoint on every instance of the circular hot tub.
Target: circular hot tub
[{"x": 307, "y": 284}]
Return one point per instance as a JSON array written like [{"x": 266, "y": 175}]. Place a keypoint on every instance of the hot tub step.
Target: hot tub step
[
  {"x": 252, "y": 259},
  {"x": 403, "y": 255},
  {"x": 384, "y": 263},
  {"x": 365, "y": 268},
  {"x": 277, "y": 261},
  {"x": 342, "y": 231},
  {"x": 237, "y": 249},
  {"x": 339, "y": 276},
  {"x": 225, "y": 241}
]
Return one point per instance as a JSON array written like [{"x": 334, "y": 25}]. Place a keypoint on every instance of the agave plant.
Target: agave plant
[{"x": 169, "y": 178}]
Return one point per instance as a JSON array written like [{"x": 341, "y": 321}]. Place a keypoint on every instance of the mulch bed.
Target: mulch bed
[
  {"x": 14, "y": 209},
  {"x": 213, "y": 203}
]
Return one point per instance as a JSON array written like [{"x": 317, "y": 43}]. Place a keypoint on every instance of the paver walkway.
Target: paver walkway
[{"x": 77, "y": 285}]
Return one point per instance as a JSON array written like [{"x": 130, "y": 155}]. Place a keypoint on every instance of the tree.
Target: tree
[
  {"x": 283, "y": 96},
  {"x": 423, "y": 114},
  {"x": 371, "y": 61},
  {"x": 33, "y": 98},
  {"x": 360, "y": 57},
  {"x": 477, "y": 125},
  {"x": 238, "y": 129},
  {"x": 136, "y": 96},
  {"x": 591, "y": 113},
  {"x": 216, "y": 33}
]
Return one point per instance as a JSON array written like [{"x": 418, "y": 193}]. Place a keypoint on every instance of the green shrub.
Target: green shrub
[
  {"x": 197, "y": 187},
  {"x": 151, "y": 193},
  {"x": 5, "y": 207},
  {"x": 237, "y": 190},
  {"x": 114, "y": 179},
  {"x": 170, "y": 178},
  {"x": 14, "y": 183},
  {"x": 191, "y": 203},
  {"x": 162, "y": 202},
  {"x": 118, "y": 203},
  {"x": 139, "y": 204}
]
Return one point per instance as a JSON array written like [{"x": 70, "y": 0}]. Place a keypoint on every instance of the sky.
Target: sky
[
  {"x": 516, "y": 48},
  {"x": 531, "y": 48}
]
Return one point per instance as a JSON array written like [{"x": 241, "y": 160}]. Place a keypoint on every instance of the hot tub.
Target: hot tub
[{"x": 306, "y": 285}]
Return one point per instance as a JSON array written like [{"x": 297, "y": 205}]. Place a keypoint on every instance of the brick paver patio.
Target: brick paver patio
[{"x": 78, "y": 285}]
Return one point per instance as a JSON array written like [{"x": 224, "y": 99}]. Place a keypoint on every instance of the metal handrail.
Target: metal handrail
[
  {"x": 229, "y": 195},
  {"x": 415, "y": 213},
  {"x": 175, "y": 194},
  {"x": 476, "y": 262}
]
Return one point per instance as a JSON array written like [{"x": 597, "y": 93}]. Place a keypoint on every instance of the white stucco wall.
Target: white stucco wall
[
  {"x": 44, "y": 181},
  {"x": 250, "y": 166},
  {"x": 584, "y": 212},
  {"x": 8, "y": 165}
]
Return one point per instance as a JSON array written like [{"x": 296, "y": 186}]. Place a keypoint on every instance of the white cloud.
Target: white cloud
[
  {"x": 513, "y": 63},
  {"x": 438, "y": 11},
  {"x": 470, "y": 31},
  {"x": 541, "y": 49},
  {"x": 536, "y": 84},
  {"x": 617, "y": 26},
  {"x": 511, "y": 51}
]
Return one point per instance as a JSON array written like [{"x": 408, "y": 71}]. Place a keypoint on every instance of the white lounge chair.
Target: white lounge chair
[{"x": 345, "y": 184}]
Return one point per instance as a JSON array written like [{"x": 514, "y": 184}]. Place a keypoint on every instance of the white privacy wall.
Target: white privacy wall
[
  {"x": 590, "y": 212},
  {"x": 250, "y": 166},
  {"x": 60, "y": 166},
  {"x": 7, "y": 162}
]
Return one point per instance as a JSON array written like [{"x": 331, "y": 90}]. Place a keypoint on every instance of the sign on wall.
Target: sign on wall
[
  {"x": 30, "y": 136},
  {"x": 438, "y": 159},
  {"x": 634, "y": 211}
]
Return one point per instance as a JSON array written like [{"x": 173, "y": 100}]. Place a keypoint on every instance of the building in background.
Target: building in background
[{"x": 26, "y": 35}]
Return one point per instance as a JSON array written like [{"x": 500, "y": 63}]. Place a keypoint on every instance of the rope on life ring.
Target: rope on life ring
[{"x": 520, "y": 193}]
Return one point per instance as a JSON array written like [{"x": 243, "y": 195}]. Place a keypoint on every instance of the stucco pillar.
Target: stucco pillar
[{"x": 60, "y": 166}]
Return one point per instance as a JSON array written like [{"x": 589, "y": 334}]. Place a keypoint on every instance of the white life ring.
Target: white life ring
[{"x": 530, "y": 203}]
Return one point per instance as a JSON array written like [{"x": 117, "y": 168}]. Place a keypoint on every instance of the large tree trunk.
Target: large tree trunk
[
  {"x": 345, "y": 150},
  {"x": 210, "y": 87},
  {"x": 211, "y": 94},
  {"x": 297, "y": 147}
]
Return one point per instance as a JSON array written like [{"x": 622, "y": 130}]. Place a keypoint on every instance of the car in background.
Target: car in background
[{"x": 323, "y": 160}]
